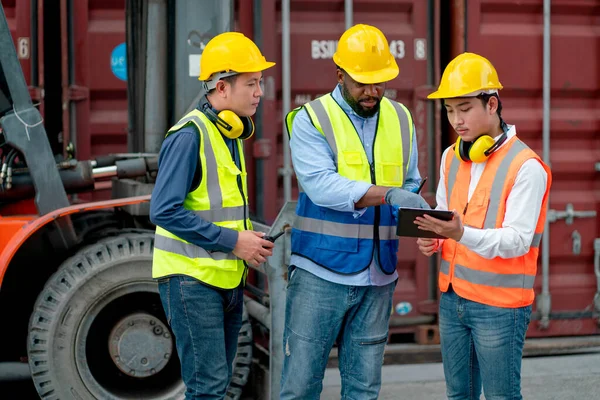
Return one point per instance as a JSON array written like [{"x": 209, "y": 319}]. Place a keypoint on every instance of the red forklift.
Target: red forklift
[{"x": 81, "y": 313}]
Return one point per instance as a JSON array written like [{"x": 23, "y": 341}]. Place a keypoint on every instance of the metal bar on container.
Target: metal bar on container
[
  {"x": 544, "y": 298},
  {"x": 225, "y": 15},
  {"x": 349, "y": 13},
  {"x": 431, "y": 142},
  {"x": 597, "y": 273},
  {"x": 286, "y": 95},
  {"x": 155, "y": 115},
  {"x": 69, "y": 78}
]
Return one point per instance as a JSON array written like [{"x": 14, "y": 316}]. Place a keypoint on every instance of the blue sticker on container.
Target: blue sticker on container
[
  {"x": 403, "y": 308},
  {"x": 118, "y": 62}
]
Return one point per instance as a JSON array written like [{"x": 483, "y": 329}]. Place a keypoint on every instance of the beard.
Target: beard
[{"x": 356, "y": 105}]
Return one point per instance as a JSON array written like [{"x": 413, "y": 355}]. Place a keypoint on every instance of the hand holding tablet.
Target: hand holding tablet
[{"x": 408, "y": 228}]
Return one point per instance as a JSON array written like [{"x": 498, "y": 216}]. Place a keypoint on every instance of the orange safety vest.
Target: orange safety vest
[{"x": 496, "y": 282}]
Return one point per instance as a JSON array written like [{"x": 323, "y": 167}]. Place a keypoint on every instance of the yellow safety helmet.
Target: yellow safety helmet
[
  {"x": 467, "y": 75},
  {"x": 231, "y": 52},
  {"x": 363, "y": 52}
]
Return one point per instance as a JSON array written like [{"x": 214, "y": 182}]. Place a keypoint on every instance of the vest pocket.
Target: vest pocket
[
  {"x": 352, "y": 162},
  {"x": 228, "y": 173},
  {"x": 391, "y": 174},
  {"x": 477, "y": 209},
  {"x": 352, "y": 158}
]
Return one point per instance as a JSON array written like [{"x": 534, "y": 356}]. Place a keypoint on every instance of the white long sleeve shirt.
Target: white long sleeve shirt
[{"x": 523, "y": 207}]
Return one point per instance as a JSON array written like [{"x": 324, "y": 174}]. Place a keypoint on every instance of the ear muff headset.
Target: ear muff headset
[
  {"x": 229, "y": 123},
  {"x": 479, "y": 150}
]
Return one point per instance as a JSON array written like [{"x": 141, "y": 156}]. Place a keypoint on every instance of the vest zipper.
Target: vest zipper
[
  {"x": 241, "y": 188},
  {"x": 452, "y": 264},
  {"x": 239, "y": 181},
  {"x": 376, "y": 251}
]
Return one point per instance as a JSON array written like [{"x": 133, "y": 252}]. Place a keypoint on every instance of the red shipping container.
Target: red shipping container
[
  {"x": 96, "y": 118},
  {"x": 25, "y": 28}
]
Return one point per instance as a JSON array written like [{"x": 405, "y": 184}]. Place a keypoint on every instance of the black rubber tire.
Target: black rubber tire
[
  {"x": 64, "y": 309},
  {"x": 242, "y": 361}
]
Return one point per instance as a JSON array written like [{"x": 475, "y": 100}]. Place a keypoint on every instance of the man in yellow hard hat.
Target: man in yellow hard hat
[
  {"x": 497, "y": 188},
  {"x": 204, "y": 236},
  {"x": 355, "y": 156}
]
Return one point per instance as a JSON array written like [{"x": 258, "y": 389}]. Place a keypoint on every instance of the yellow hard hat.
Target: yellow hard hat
[
  {"x": 467, "y": 75},
  {"x": 363, "y": 52},
  {"x": 231, "y": 52}
]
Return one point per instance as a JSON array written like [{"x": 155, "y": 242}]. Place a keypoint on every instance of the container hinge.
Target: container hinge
[
  {"x": 576, "y": 236},
  {"x": 569, "y": 214},
  {"x": 78, "y": 93}
]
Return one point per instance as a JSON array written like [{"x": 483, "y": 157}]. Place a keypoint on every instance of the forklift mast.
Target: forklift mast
[{"x": 23, "y": 128}]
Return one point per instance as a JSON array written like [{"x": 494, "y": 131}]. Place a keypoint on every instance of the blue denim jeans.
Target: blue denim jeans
[
  {"x": 481, "y": 345},
  {"x": 317, "y": 313},
  {"x": 206, "y": 322}
]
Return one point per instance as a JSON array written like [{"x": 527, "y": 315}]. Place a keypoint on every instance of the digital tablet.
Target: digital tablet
[{"x": 406, "y": 222}]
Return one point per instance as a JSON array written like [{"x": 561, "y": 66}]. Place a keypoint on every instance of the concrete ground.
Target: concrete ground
[
  {"x": 557, "y": 377},
  {"x": 569, "y": 377}
]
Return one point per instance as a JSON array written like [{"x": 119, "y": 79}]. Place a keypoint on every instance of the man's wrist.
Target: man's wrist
[{"x": 460, "y": 235}]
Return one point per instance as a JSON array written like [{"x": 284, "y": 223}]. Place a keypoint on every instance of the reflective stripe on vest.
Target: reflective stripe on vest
[
  {"x": 517, "y": 281},
  {"x": 189, "y": 250},
  {"x": 223, "y": 214},
  {"x": 173, "y": 255},
  {"x": 360, "y": 231}
]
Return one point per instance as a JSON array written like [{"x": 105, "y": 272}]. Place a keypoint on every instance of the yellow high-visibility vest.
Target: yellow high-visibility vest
[
  {"x": 337, "y": 240},
  {"x": 221, "y": 199}
]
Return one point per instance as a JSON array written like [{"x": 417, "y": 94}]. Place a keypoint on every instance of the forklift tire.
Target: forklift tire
[
  {"x": 242, "y": 361},
  {"x": 97, "y": 298}
]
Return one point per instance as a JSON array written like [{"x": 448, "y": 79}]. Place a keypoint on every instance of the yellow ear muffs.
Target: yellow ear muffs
[
  {"x": 477, "y": 151},
  {"x": 459, "y": 150},
  {"x": 248, "y": 128},
  {"x": 230, "y": 124}
]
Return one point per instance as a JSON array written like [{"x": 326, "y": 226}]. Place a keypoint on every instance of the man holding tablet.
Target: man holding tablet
[{"x": 497, "y": 189}]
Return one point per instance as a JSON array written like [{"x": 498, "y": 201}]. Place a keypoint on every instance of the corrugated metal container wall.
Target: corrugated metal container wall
[
  {"x": 314, "y": 31},
  {"x": 23, "y": 24},
  {"x": 94, "y": 80},
  {"x": 510, "y": 34},
  {"x": 97, "y": 118}
]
